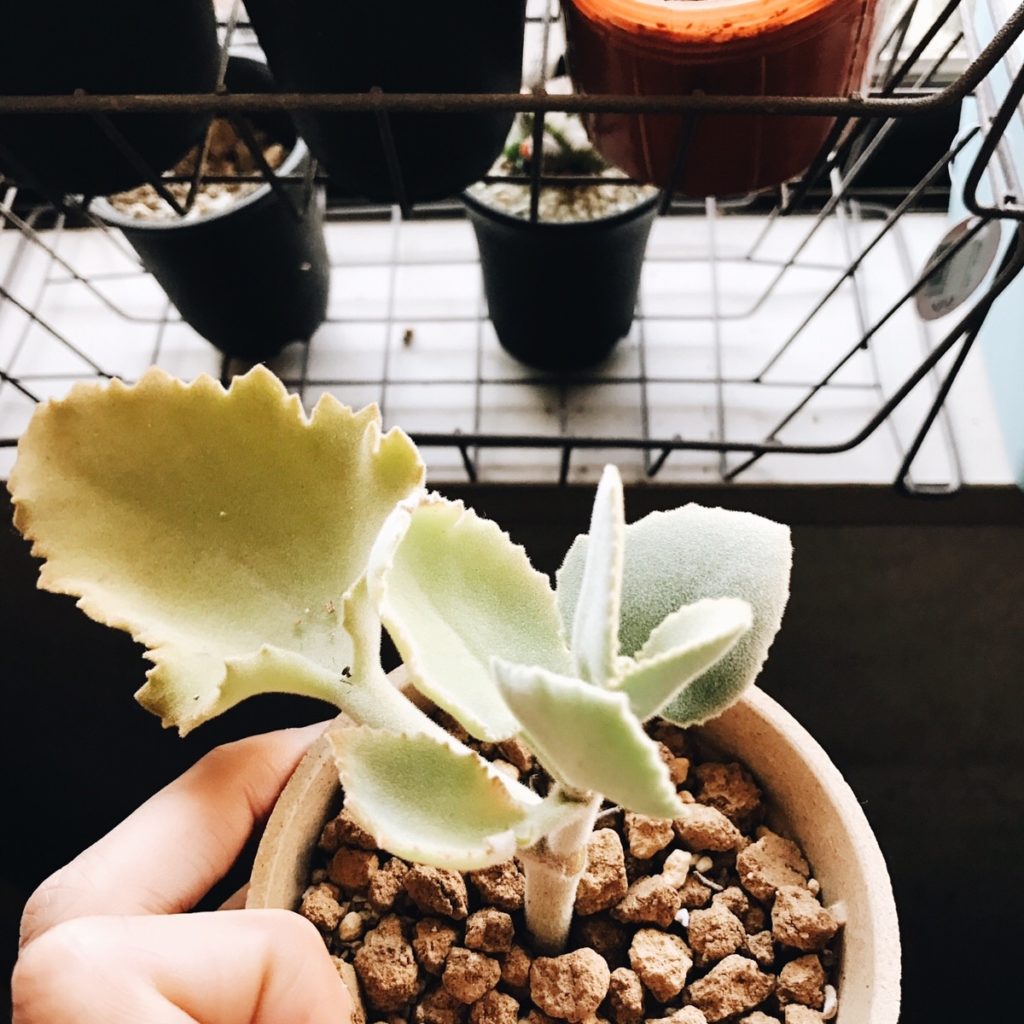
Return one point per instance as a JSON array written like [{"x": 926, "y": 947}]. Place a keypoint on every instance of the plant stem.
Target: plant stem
[{"x": 553, "y": 868}]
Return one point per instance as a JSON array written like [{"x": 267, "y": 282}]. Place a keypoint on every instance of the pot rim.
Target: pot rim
[{"x": 563, "y": 226}]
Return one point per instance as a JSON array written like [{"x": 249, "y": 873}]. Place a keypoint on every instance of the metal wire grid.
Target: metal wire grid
[{"x": 850, "y": 149}]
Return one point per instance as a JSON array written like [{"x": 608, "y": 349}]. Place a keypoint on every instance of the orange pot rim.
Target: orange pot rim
[{"x": 706, "y": 21}]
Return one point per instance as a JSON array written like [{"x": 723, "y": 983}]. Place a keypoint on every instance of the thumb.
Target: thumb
[{"x": 236, "y": 967}]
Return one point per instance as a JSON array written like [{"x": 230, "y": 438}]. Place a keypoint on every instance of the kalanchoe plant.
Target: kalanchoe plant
[{"x": 253, "y": 549}]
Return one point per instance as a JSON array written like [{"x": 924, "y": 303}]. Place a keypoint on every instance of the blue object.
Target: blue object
[{"x": 1002, "y": 336}]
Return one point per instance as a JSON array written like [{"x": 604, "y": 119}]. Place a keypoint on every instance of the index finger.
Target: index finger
[{"x": 165, "y": 856}]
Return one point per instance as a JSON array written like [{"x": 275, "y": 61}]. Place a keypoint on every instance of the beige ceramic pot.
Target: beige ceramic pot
[{"x": 811, "y": 801}]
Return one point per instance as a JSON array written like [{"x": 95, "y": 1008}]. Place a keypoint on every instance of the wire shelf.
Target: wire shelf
[{"x": 779, "y": 326}]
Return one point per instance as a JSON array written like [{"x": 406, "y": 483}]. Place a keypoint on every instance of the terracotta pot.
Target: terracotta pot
[
  {"x": 718, "y": 47},
  {"x": 811, "y": 801}
]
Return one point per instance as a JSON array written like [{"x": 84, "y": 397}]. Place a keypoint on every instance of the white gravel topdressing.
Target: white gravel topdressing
[
  {"x": 562, "y": 205},
  {"x": 567, "y": 149},
  {"x": 228, "y": 156}
]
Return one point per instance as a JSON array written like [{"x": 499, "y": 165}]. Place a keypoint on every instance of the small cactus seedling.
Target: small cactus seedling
[{"x": 254, "y": 549}]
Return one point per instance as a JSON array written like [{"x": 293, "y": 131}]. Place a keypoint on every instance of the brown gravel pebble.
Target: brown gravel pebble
[
  {"x": 502, "y": 886},
  {"x": 386, "y": 884},
  {"x": 797, "y": 1014},
  {"x": 516, "y": 752},
  {"x": 439, "y": 1007},
  {"x": 730, "y": 788},
  {"x": 536, "y": 1017},
  {"x": 515, "y": 968},
  {"x": 647, "y": 836},
  {"x": 570, "y": 987},
  {"x": 802, "y": 981},
  {"x": 769, "y": 864},
  {"x": 757, "y": 1017},
  {"x": 468, "y": 975},
  {"x": 679, "y": 770},
  {"x": 490, "y": 931},
  {"x": 609, "y": 938},
  {"x": 437, "y": 891},
  {"x": 352, "y": 869},
  {"x": 494, "y": 1007},
  {"x": 715, "y": 933},
  {"x": 733, "y": 899},
  {"x": 433, "y": 942},
  {"x": 731, "y": 987},
  {"x": 320, "y": 905},
  {"x": 687, "y": 1015},
  {"x": 761, "y": 947},
  {"x": 700, "y": 827},
  {"x": 800, "y": 921},
  {"x": 661, "y": 961},
  {"x": 344, "y": 830},
  {"x": 651, "y": 900},
  {"x": 694, "y": 894},
  {"x": 386, "y": 966},
  {"x": 604, "y": 881},
  {"x": 625, "y": 997}
]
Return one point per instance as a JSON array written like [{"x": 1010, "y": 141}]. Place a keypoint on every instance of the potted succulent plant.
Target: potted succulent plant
[
  {"x": 537, "y": 752},
  {"x": 730, "y": 48},
  {"x": 562, "y": 287},
  {"x": 117, "y": 47},
  {"x": 397, "y": 47},
  {"x": 247, "y": 267}
]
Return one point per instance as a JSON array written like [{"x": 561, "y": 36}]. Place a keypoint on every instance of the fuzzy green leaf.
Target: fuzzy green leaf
[
  {"x": 220, "y": 528},
  {"x": 429, "y": 800},
  {"x": 595, "y": 633},
  {"x": 677, "y": 558},
  {"x": 681, "y": 649},
  {"x": 453, "y": 591},
  {"x": 588, "y": 738},
  {"x": 368, "y": 696}
]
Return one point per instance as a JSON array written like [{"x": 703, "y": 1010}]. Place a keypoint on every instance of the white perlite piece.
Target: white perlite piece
[
  {"x": 676, "y": 868},
  {"x": 351, "y": 926},
  {"x": 831, "y": 1003}
]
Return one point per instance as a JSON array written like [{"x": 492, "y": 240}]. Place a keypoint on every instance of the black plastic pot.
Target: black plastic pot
[
  {"x": 561, "y": 295},
  {"x": 463, "y": 46},
  {"x": 254, "y": 277},
  {"x": 55, "y": 47}
]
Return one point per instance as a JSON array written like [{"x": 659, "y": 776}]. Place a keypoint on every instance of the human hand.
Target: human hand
[{"x": 107, "y": 938}]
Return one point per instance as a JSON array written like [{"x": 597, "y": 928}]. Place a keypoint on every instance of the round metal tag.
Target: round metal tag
[{"x": 950, "y": 285}]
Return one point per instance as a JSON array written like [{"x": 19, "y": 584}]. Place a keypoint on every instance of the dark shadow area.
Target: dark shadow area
[{"x": 901, "y": 652}]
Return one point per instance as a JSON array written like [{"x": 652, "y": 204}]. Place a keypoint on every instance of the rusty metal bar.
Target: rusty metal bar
[{"x": 897, "y": 104}]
